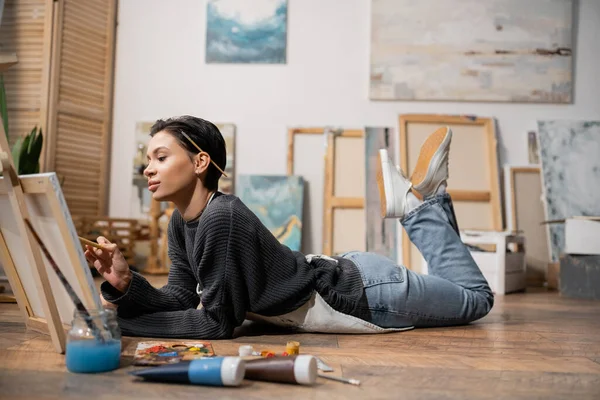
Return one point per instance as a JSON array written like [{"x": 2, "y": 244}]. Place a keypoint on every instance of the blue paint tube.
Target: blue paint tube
[{"x": 212, "y": 371}]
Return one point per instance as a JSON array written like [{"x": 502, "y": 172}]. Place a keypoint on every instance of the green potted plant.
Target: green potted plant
[{"x": 26, "y": 152}]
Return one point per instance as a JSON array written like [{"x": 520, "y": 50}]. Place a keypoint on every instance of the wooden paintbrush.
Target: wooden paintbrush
[
  {"x": 90, "y": 243},
  {"x": 201, "y": 151},
  {"x": 78, "y": 303},
  {"x": 350, "y": 381}
]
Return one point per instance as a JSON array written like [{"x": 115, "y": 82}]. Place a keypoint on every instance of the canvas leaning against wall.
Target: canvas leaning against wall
[
  {"x": 381, "y": 233},
  {"x": 471, "y": 50},
  {"x": 242, "y": 31},
  {"x": 226, "y": 184},
  {"x": 569, "y": 152},
  {"x": 277, "y": 201},
  {"x": 140, "y": 195}
]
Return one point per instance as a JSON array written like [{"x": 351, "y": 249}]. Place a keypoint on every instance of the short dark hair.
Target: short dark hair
[{"x": 205, "y": 134}]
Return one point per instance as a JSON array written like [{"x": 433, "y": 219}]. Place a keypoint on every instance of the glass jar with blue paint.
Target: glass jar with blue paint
[{"x": 93, "y": 342}]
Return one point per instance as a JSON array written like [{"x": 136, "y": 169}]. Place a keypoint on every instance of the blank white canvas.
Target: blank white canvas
[{"x": 309, "y": 163}]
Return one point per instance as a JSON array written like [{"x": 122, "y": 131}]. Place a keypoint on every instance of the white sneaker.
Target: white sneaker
[
  {"x": 431, "y": 169},
  {"x": 393, "y": 188}
]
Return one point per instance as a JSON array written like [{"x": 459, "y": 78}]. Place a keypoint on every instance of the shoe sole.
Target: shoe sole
[
  {"x": 431, "y": 145},
  {"x": 381, "y": 187}
]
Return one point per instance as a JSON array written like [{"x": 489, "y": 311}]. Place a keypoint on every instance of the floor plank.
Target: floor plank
[{"x": 532, "y": 345}]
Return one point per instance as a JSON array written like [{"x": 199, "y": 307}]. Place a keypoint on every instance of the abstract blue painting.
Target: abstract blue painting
[
  {"x": 569, "y": 151},
  {"x": 246, "y": 31},
  {"x": 277, "y": 201}
]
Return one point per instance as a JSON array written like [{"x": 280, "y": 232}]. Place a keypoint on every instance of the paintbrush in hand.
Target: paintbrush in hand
[
  {"x": 90, "y": 243},
  {"x": 78, "y": 303}
]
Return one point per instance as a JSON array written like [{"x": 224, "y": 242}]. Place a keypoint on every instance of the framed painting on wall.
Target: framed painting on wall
[
  {"x": 243, "y": 32},
  {"x": 468, "y": 50}
]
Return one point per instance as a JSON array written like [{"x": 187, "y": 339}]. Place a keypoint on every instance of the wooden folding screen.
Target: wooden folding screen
[
  {"x": 80, "y": 110},
  {"x": 63, "y": 84},
  {"x": 26, "y": 30}
]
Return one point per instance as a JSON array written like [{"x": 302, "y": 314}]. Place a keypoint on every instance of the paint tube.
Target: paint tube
[
  {"x": 212, "y": 371},
  {"x": 301, "y": 369}
]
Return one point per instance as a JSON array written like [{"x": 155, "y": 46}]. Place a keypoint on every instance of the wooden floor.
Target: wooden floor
[{"x": 532, "y": 345}]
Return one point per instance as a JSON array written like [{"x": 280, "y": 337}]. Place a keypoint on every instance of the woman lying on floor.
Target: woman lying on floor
[{"x": 227, "y": 266}]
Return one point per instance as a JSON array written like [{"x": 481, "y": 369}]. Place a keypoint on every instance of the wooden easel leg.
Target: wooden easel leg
[{"x": 6, "y": 298}]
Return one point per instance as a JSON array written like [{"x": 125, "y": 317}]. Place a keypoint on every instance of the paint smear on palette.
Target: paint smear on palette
[
  {"x": 160, "y": 353},
  {"x": 381, "y": 232},
  {"x": 570, "y": 171},
  {"x": 277, "y": 201}
]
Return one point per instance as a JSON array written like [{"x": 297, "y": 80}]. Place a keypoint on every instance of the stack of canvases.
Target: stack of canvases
[
  {"x": 341, "y": 210},
  {"x": 349, "y": 210},
  {"x": 571, "y": 170}
]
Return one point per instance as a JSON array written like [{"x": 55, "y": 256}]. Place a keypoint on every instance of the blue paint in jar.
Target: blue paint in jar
[
  {"x": 91, "y": 356},
  {"x": 86, "y": 352}
]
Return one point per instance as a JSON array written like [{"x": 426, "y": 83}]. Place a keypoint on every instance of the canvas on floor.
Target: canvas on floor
[
  {"x": 277, "y": 202},
  {"x": 470, "y": 50},
  {"x": 242, "y": 31}
]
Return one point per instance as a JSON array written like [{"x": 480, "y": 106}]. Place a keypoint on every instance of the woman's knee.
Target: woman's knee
[{"x": 484, "y": 302}]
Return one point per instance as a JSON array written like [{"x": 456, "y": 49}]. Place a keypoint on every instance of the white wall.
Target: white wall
[{"x": 160, "y": 72}]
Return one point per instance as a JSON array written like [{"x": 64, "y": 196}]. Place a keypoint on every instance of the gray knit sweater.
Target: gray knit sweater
[{"x": 241, "y": 268}]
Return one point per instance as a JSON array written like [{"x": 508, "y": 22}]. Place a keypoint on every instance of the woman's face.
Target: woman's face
[{"x": 170, "y": 171}]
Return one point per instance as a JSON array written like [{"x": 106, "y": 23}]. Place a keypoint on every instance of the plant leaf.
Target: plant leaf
[
  {"x": 16, "y": 151},
  {"x": 23, "y": 159},
  {"x": 31, "y": 139},
  {"x": 26, "y": 152},
  {"x": 36, "y": 147}
]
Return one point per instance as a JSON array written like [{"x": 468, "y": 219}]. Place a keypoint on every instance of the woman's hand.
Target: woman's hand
[{"x": 110, "y": 263}]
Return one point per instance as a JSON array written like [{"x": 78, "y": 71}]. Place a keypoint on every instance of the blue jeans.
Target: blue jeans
[{"x": 455, "y": 291}]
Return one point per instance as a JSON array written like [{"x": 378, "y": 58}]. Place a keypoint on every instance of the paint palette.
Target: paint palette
[{"x": 161, "y": 353}]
